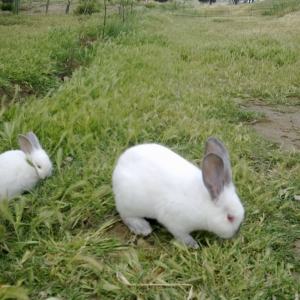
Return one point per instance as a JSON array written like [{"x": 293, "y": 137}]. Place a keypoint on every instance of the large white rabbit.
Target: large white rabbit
[
  {"x": 21, "y": 170},
  {"x": 151, "y": 181}
]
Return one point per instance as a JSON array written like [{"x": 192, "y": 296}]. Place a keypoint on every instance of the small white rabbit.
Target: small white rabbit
[
  {"x": 151, "y": 181},
  {"x": 21, "y": 170}
]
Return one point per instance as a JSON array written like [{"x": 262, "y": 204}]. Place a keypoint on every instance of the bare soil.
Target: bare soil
[
  {"x": 281, "y": 124},
  {"x": 121, "y": 233},
  {"x": 16, "y": 92}
]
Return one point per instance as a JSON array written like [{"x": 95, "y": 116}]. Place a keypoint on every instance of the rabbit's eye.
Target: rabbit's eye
[
  {"x": 39, "y": 167},
  {"x": 230, "y": 218}
]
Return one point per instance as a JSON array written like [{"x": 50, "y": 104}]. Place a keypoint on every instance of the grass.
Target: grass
[
  {"x": 280, "y": 8},
  {"x": 224, "y": 10},
  {"x": 39, "y": 68},
  {"x": 169, "y": 79}
]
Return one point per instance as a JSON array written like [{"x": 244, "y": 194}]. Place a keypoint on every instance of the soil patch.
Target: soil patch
[
  {"x": 281, "y": 124},
  {"x": 297, "y": 249},
  {"x": 17, "y": 91},
  {"x": 121, "y": 232},
  {"x": 297, "y": 256}
]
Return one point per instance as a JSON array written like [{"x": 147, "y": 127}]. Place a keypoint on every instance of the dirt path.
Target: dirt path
[{"x": 281, "y": 125}]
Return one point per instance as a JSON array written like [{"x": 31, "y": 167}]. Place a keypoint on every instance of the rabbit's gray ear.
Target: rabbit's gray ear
[
  {"x": 25, "y": 144},
  {"x": 213, "y": 174},
  {"x": 34, "y": 140},
  {"x": 216, "y": 146}
]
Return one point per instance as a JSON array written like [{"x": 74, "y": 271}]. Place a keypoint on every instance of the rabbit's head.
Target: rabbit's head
[
  {"x": 36, "y": 155},
  {"x": 226, "y": 212}
]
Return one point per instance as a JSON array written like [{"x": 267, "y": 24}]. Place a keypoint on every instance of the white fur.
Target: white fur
[
  {"x": 21, "y": 170},
  {"x": 151, "y": 181}
]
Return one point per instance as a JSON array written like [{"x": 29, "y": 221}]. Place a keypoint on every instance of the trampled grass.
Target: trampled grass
[{"x": 173, "y": 80}]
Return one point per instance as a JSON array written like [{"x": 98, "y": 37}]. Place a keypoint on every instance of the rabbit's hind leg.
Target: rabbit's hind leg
[{"x": 138, "y": 225}]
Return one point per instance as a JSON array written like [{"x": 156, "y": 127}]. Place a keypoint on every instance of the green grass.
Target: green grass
[
  {"x": 36, "y": 50},
  {"x": 281, "y": 8},
  {"x": 193, "y": 8},
  {"x": 168, "y": 79}
]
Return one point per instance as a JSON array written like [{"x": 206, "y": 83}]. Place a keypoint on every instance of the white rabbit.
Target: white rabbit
[
  {"x": 151, "y": 181},
  {"x": 21, "y": 170}
]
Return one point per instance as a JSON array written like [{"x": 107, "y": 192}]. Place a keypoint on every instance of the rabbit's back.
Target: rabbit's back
[
  {"x": 157, "y": 159},
  {"x": 150, "y": 180}
]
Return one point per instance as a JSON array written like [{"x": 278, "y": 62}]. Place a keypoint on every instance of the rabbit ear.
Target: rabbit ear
[
  {"x": 216, "y": 146},
  {"x": 25, "y": 144},
  {"x": 213, "y": 174},
  {"x": 34, "y": 140}
]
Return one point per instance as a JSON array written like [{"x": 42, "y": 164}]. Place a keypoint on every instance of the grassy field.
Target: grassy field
[{"x": 160, "y": 77}]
